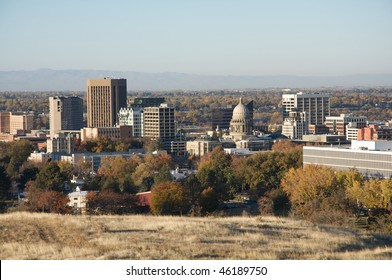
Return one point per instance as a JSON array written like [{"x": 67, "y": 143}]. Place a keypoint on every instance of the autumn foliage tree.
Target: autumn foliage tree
[
  {"x": 318, "y": 193},
  {"x": 47, "y": 201},
  {"x": 169, "y": 198}
]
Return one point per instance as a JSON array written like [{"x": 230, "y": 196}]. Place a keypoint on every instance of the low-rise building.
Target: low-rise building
[
  {"x": 78, "y": 201},
  {"x": 114, "y": 133},
  {"x": 337, "y": 124},
  {"x": 200, "y": 147},
  {"x": 362, "y": 156},
  {"x": 375, "y": 132},
  {"x": 39, "y": 157},
  {"x": 21, "y": 124},
  {"x": 61, "y": 143}
]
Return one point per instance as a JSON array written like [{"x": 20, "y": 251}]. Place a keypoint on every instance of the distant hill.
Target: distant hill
[{"x": 47, "y": 79}]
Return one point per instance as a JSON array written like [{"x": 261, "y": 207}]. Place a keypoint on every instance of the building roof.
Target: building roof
[
  {"x": 144, "y": 198},
  {"x": 240, "y": 111},
  {"x": 78, "y": 193}
]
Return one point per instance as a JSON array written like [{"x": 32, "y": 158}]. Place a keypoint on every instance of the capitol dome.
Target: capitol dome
[
  {"x": 240, "y": 112},
  {"x": 241, "y": 123}
]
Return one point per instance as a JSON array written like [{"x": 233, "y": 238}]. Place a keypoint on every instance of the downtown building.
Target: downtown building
[
  {"x": 159, "y": 123},
  {"x": 316, "y": 106},
  {"x": 65, "y": 113},
  {"x": 105, "y": 97},
  {"x": 21, "y": 123},
  {"x": 296, "y": 125},
  {"x": 371, "y": 158},
  {"x": 133, "y": 117},
  {"x": 338, "y": 124}
]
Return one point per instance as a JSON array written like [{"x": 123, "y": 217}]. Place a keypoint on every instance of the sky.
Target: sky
[{"x": 212, "y": 37}]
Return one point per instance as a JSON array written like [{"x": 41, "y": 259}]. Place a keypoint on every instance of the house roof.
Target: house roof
[{"x": 144, "y": 198}]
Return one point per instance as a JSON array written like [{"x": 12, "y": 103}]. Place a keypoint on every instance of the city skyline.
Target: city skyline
[{"x": 304, "y": 38}]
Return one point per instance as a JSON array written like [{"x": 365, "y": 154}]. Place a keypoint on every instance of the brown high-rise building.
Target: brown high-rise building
[{"x": 105, "y": 97}]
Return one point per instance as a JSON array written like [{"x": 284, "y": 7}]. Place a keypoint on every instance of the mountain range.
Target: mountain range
[{"x": 75, "y": 80}]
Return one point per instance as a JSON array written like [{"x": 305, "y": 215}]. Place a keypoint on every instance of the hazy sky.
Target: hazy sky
[{"x": 202, "y": 37}]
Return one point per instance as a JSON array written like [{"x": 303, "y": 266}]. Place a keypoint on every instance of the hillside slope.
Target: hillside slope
[{"x": 47, "y": 236}]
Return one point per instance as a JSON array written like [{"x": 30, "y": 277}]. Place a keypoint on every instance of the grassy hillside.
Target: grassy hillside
[{"x": 48, "y": 236}]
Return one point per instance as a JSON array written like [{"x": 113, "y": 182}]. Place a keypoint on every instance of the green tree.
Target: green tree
[
  {"x": 50, "y": 178},
  {"x": 17, "y": 152},
  {"x": 66, "y": 168},
  {"x": 110, "y": 184},
  {"x": 215, "y": 171},
  {"x": 163, "y": 175},
  {"x": 5, "y": 183},
  {"x": 194, "y": 187},
  {"x": 29, "y": 173}
]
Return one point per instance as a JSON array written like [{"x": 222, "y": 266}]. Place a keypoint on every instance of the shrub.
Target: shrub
[
  {"x": 109, "y": 202},
  {"x": 208, "y": 200}
]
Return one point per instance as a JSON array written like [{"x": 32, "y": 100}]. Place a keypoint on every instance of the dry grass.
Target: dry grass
[{"x": 46, "y": 236}]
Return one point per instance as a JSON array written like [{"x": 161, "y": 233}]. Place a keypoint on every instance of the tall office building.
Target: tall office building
[
  {"x": 105, "y": 97},
  {"x": 316, "y": 105},
  {"x": 159, "y": 122},
  {"x": 65, "y": 113}
]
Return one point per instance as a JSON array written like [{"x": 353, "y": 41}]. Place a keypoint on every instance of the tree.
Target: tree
[
  {"x": 274, "y": 202},
  {"x": 304, "y": 185},
  {"x": 17, "y": 152},
  {"x": 66, "y": 168},
  {"x": 194, "y": 187},
  {"x": 264, "y": 171},
  {"x": 215, "y": 172},
  {"x": 29, "y": 173},
  {"x": 104, "y": 144},
  {"x": 169, "y": 198},
  {"x": 110, "y": 184},
  {"x": 47, "y": 201},
  {"x": 50, "y": 178},
  {"x": 163, "y": 175},
  {"x": 316, "y": 194},
  {"x": 5, "y": 183},
  {"x": 285, "y": 146},
  {"x": 374, "y": 193},
  {"x": 53, "y": 202}
]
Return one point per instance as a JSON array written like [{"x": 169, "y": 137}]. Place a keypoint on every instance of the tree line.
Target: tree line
[{"x": 275, "y": 179}]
